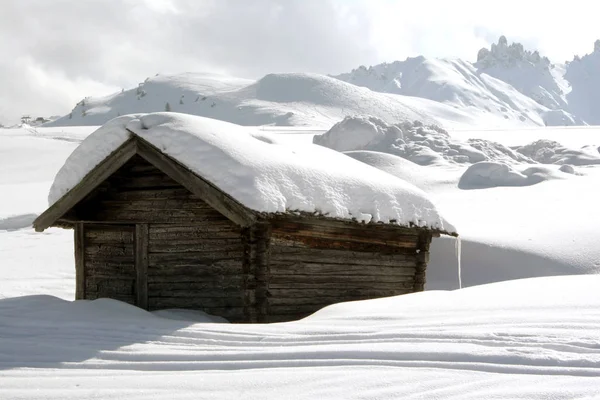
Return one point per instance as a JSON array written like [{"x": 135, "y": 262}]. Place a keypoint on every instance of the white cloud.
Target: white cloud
[{"x": 56, "y": 52}]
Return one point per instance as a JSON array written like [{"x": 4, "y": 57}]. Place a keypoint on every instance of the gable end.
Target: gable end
[{"x": 220, "y": 201}]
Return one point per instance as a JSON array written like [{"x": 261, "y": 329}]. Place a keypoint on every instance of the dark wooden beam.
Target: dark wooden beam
[
  {"x": 79, "y": 261},
  {"x": 96, "y": 176},
  {"x": 216, "y": 198},
  {"x": 261, "y": 235},
  {"x": 141, "y": 265},
  {"x": 422, "y": 260}
]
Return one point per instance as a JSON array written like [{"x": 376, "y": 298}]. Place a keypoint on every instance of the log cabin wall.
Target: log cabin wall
[
  {"x": 109, "y": 262},
  {"x": 144, "y": 239},
  {"x": 192, "y": 256},
  {"x": 317, "y": 263}
]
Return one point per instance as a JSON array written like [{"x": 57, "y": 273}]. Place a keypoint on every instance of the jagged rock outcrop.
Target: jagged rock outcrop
[
  {"x": 583, "y": 75},
  {"x": 509, "y": 55}
]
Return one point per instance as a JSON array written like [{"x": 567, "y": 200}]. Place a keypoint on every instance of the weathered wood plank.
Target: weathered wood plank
[
  {"x": 114, "y": 270},
  {"x": 319, "y": 242},
  {"x": 192, "y": 258},
  {"x": 108, "y": 287},
  {"x": 178, "y": 193},
  {"x": 248, "y": 274},
  {"x": 130, "y": 181},
  {"x": 194, "y": 282},
  {"x": 324, "y": 223},
  {"x": 109, "y": 214},
  {"x": 290, "y": 267},
  {"x": 332, "y": 295},
  {"x": 225, "y": 269},
  {"x": 99, "y": 174},
  {"x": 207, "y": 298},
  {"x": 375, "y": 233},
  {"x": 109, "y": 250},
  {"x": 194, "y": 246},
  {"x": 80, "y": 270},
  {"x": 341, "y": 285},
  {"x": 260, "y": 258},
  {"x": 224, "y": 229},
  {"x": 157, "y": 204},
  {"x": 228, "y": 280},
  {"x": 292, "y": 236},
  {"x": 333, "y": 256},
  {"x": 141, "y": 265},
  {"x": 219, "y": 200},
  {"x": 372, "y": 275},
  {"x": 102, "y": 235},
  {"x": 422, "y": 259},
  {"x": 364, "y": 279}
]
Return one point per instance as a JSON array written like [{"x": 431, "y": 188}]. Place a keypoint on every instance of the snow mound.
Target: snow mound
[
  {"x": 414, "y": 141},
  {"x": 397, "y": 166},
  {"x": 265, "y": 177},
  {"x": 551, "y": 152},
  {"x": 17, "y": 222},
  {"x": 492, "y": 174}
]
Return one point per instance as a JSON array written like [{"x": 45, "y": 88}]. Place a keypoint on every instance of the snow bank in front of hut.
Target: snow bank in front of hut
[
  {"x": 526, "y": 339},
  {"x": 264, "y": 176}
]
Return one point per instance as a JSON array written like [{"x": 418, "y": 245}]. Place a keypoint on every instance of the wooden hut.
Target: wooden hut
[{"x": 151, "y": 232}]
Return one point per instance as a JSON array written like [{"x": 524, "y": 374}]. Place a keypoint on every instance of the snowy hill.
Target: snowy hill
[
  {"x": 277, "y": 99},
  {"x": 508, "y": 86},
  {"x": 506, "y": 81}
]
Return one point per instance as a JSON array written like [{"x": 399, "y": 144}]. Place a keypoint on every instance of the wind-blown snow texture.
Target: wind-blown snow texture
[
  {"x": 265, "y": 177},
  {"x": 544, "y": 336}
]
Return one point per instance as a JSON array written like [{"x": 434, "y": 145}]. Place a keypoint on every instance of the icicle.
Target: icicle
[{"x": 458, "y": 249}]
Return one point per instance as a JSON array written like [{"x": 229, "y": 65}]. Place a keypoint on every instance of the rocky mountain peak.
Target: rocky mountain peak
[{"x": 506, "y": 55}]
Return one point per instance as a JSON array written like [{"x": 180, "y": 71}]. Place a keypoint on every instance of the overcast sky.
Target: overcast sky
[{"x": 55, "y": 52}]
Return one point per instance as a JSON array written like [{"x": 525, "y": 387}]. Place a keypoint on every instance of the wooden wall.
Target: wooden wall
[
  {"x": 315, "y": 264},
  {"x": 140, "y": 193},
  {"x": 144, "y": 239},
  {"x": 193, "y": 255},
  {"x": 109, "y": 263},
  {"x": 196, "y": 267}
]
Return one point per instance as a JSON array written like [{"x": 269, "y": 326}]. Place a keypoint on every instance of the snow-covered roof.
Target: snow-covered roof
[{"x": 259, "y": 172}]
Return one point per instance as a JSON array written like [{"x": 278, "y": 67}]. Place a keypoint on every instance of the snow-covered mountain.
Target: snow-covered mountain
[
  {"x": 506, "y": 80},
  {"x": 583, "y": 74},
  {"x": 507, "y": 86},
  {"x": 276, "y": 99}
]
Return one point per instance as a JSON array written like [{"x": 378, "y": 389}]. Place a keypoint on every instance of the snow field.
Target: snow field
[{"x": 526, "y": 339}]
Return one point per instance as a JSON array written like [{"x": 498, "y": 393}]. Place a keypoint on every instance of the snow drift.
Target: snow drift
[
  {"x": 492, "y": 174},
  {"x": 533, "y": 338},
  {"x": 415, "y": 141},
  {"x": 432, "y": 145}
]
